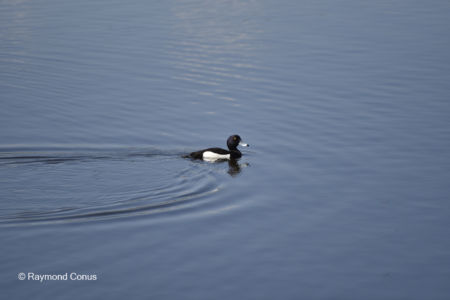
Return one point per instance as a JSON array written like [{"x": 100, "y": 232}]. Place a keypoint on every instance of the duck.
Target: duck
[{"x": 212, "y": 154}]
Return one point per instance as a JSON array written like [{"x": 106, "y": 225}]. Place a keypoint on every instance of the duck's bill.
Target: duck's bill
[{"x": 244, "y": 144}]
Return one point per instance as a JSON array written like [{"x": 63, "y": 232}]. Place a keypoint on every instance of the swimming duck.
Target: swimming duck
[{"x": 219, "y": 153}]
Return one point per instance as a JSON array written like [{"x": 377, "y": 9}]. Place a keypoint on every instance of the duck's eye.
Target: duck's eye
[{"x": 234, "y": 138}]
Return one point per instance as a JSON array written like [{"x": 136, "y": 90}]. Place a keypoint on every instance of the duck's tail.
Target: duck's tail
[{"x": 194, "y": 155}]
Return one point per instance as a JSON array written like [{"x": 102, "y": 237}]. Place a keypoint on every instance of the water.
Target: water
[{"x": 343, "y": 193}]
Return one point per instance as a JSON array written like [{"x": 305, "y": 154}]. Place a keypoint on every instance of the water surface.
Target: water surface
[{"x": 343, "y": 193}]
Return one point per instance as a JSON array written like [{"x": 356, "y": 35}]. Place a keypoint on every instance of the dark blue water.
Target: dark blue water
[{"x": 343, "y": 194}]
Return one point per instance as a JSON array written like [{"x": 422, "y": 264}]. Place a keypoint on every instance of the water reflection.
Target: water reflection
[
  {"x": 210, "y": 53},
  {"x": 234, "y": 167}
]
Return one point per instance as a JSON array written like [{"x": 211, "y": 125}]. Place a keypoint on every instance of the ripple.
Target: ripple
[{"x": 42, "y": 186}]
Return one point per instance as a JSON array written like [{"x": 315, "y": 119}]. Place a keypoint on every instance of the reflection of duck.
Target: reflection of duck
[
  {"x": 212, "y": 154},
  {"x": 234, "y": 168}
]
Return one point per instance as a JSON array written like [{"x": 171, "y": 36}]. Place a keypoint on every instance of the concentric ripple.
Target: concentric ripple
[{"x": 43, "y": 186}]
